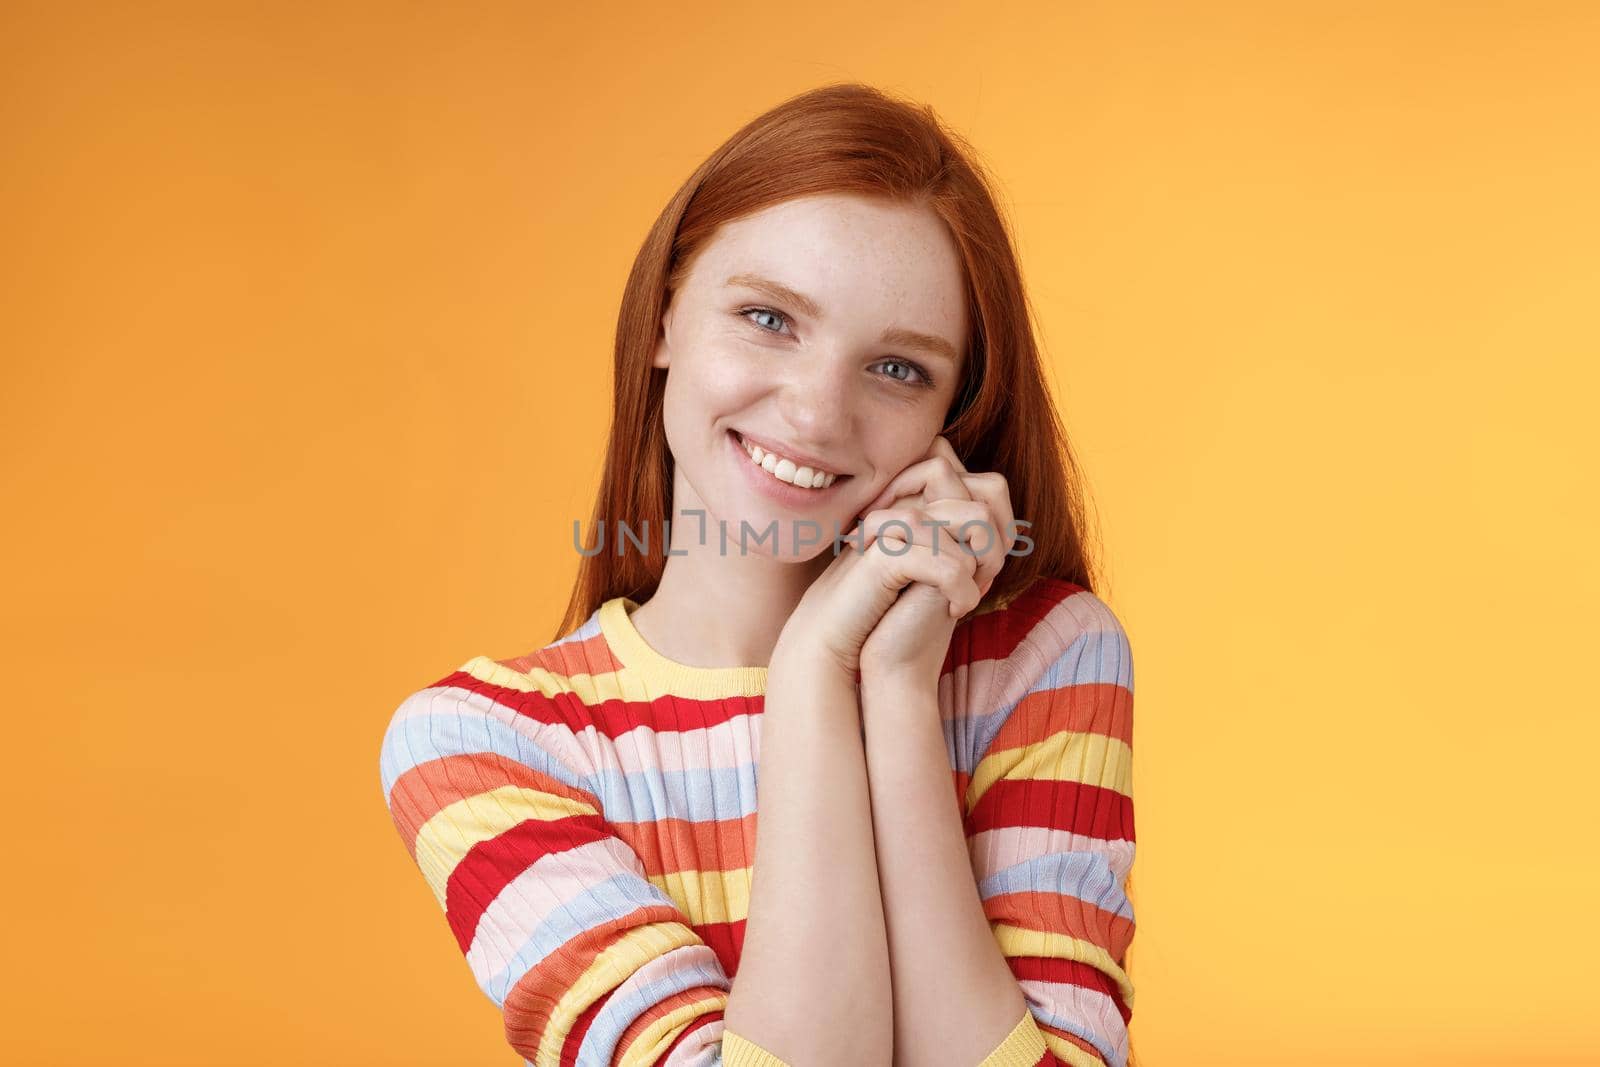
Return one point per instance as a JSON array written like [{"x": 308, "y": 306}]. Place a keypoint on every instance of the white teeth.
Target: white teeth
[{"x": 786, "y": 470}]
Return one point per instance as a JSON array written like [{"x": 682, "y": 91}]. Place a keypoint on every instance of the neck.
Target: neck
[{"x": 717, "y": 607}]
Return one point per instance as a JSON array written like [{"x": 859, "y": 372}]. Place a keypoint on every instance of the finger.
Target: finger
[
  {"x": 943, "y": 566},
  {"x": 885, "y": 523},
  {"x": 943, "y": 572},
  {"x": 942, "y": 447},
  {"x": 996, "y": 533},
  {"x": 959, "y": 586},
  {"x": 972, "y": 532},
  {"x": 929, "y": 480},
  {"x": 991, "y": 488},
  {"x": 960, "y": 528},
  {"x": 922, "y": 524},
  {"x": 918, "y": 477}
]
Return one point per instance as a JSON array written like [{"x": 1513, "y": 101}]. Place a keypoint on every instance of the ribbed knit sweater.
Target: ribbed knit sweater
[{"x": 585, "y": 816}]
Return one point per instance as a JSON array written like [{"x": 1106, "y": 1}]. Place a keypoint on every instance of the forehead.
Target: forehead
[{"x": 859, "y": 258}]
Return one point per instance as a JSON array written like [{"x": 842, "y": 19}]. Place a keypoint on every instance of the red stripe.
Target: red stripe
[
  {"x": 1082, "y": 809},
  {"x": 580, "y": 1030},
  {"x": 1072, "y": 972},
  {"x": 489, "y": 866},
  {"x": 1037, "y": 601},
  {"x": 726, "y": 940},
  {"x": 611, "y": 718},
  {"x": 994, "y": 635}
]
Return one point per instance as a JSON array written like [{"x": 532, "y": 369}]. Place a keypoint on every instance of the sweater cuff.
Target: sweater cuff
[
  {"x": 742, "y": 1052},
  {"x": 1023, "y": 1047}
]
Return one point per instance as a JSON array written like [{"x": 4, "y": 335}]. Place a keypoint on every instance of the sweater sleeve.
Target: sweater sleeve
[
  {"x": 589, "y": 962},
  {"x": 1050, "y": 828}
]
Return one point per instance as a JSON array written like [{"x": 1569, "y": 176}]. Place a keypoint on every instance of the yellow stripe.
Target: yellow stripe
[
  {"x": 647, "y": 1048},
  {"x": 455, "y": 828},
  {"x": 611, "y": 968},
  {"x": 740, "y": 1051},
  {"x": 708, "y": 896},
  {"x": 1071, "y": 1054},
  {"x": 1067, "y": 756},
  {"x": 1019, "y": 941},
  {"x": 590, "y": 688},
  {"x": 1022, "y": 1047}
]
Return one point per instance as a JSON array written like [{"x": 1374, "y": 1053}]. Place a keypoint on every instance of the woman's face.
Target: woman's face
[{"x": 830, "y": 329}]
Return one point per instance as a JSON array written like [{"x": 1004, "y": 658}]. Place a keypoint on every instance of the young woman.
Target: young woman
[{"x": 854, "y": 563}]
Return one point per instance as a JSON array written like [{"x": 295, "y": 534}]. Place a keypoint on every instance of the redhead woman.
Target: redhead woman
[{"x": 829, "y": 761}]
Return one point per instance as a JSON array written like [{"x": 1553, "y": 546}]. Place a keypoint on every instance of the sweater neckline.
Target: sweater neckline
[{"x": 678, "y": 679}]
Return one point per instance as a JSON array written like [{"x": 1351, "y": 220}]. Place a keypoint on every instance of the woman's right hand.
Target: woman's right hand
[{"x": 843, "y": 605}]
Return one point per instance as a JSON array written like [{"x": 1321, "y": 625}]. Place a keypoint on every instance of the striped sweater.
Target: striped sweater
[{"x": 585, "y": 817}]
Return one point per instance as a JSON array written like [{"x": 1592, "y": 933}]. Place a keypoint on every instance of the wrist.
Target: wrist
[
  {"x": 809, "y": 660},
  {"x": 897, "y": 683}
]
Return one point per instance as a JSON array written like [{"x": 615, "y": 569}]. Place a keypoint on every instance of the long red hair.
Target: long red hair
[{"x": 845, "y": 138}]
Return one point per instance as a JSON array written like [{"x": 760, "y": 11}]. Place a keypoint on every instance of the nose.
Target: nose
[{"x": 818, "y": 404}]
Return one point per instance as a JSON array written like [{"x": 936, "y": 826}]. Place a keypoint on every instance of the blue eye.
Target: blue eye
[
  {"x": 911, "y": 367},
  {"x": 780, "y": 316}
]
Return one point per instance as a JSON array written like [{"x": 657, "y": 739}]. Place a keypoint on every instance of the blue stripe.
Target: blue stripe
[
  {"x": 1079, "y": 873},
  {"x": 446, "y": 731}
]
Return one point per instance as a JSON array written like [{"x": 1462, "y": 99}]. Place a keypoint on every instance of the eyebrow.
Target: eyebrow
[{"x": 927, "y": 342}]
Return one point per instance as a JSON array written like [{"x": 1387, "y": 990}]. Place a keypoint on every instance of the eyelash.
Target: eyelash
[{"x": 927, "y": 379}]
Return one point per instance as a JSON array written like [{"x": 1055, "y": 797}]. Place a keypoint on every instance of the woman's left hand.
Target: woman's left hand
[{"x": 913, "y": 636}]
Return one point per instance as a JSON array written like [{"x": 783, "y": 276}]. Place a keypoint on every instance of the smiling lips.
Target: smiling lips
[{"x": 787, "y": 470}]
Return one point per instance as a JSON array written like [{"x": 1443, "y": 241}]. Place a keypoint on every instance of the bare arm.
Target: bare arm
[
  {"x": 813, "y": 985},
  {"x": 955, "y": 999}
]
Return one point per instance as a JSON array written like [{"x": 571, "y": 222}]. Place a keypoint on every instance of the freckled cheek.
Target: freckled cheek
[{"x": 723, "y": 378}]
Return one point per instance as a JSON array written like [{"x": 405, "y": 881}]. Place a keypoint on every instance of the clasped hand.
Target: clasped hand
[{"x": 932, "y": 543}]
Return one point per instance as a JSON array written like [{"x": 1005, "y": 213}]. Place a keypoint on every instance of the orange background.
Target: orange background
[{"x": 307, "y": 341}]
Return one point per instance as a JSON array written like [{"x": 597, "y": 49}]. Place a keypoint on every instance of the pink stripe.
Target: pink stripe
[
  {"x": 725, "y": 745},
  {"x": 994, "y": 850},
  {"x": 1089, "y": 1006},
  {"x": 456, "y": 702},
  {"x": 554, "y": 882}
]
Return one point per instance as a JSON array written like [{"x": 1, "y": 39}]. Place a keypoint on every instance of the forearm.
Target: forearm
[
  {"x": 954, "y": 996},
  {"x": 813, "y": 980}
]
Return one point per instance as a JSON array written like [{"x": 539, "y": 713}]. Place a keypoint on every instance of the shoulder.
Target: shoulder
[
  {"x": 544, "y": 683},
  {"x": 1042, "y": 625},
  {"x": 1048, "y": 613},
  {"x": 532, "y": 709}
]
